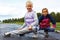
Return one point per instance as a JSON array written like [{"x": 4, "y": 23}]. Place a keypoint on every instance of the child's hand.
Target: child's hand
[
  {"x": 30, "y": 27},
  {"x": 53, "y": 27}
]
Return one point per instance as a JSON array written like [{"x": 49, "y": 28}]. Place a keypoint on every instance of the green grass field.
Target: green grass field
[{"x": 58, "y": 26}]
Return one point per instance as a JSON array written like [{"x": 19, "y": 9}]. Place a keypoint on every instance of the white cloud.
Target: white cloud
[
  {"x": 17, "y": 8},
  {"x": 11, "y": 11},
  {"x": 52, "y": 5}
]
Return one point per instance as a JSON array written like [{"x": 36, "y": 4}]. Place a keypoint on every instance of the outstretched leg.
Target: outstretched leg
[
  {"x": 46, "y": 33},
  {"x": 20, "y": 32}
]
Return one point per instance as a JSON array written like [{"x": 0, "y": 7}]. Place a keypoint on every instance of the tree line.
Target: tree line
[{"x": 56, "y": 16}]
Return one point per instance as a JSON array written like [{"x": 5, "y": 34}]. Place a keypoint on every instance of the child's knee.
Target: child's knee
[{"x": 50, "y": 30}]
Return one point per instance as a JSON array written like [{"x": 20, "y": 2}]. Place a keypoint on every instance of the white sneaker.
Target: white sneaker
[
  {"x": 35, "y": 36},
  {"x": 46, "y": 35},
  {"x": 7, "y": 34}
]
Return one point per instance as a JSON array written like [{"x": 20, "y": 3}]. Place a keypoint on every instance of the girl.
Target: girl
[
  {"x": 30, "y": 24},
  {"x": 44, "y": 22}
]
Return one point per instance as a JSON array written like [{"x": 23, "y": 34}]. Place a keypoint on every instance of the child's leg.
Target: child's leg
[
  {"x": 50, "y": 29},
  {"x": 35, "y": 31},
  {"x": 46, "y": 30},
  {"x": 46, "y": 33},
  {"x": 18, "y": 31},
  {"x": 22, "y": 31}
]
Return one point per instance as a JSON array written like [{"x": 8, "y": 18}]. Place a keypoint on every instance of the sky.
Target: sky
[{"x": 16, "y": 8}]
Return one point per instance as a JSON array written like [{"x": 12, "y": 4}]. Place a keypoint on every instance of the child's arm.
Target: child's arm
[
  {"x": 35, "y": 19},
  {"x": 53, "y": 21},
  {"x": 22, "y": 26},
  {"x": 40, "y": 19}
]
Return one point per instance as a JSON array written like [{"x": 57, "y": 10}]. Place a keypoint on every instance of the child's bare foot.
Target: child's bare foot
[{"x": 35, "y": 36}]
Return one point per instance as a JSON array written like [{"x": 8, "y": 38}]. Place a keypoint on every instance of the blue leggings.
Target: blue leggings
[{"x": 48, "y": 29}]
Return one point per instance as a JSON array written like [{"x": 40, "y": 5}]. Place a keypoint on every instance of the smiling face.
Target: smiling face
[
  {"x": 44, "y": 11},
  {"x": 29, "y": 6}
]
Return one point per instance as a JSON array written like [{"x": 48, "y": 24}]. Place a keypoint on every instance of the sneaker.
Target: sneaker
[
  {"x": 21, "y": 34},
  {"x": 46, "y": 35},
  {"x": 7, "y": 35},
  {"x": 35, "y": 36}
]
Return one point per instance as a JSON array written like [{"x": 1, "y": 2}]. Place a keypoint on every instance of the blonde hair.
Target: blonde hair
[{"x": 29, "y": 2}]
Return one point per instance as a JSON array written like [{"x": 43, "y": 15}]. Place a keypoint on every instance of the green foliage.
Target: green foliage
[
  {"x": 13, "y": 20},
  {"x": 58, "y": 17},
  {"x": 53, "y": 14},
  {"x": 38, "y": 14}
]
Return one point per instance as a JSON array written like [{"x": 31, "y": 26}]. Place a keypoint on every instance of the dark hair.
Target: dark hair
[{"x": 45, "y": 9}]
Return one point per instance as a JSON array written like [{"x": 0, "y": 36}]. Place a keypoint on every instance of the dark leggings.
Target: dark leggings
[{"x": 48, "y": 29}]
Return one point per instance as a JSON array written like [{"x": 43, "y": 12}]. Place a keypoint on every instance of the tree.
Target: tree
[
  {"x": 38, "y": 14},
  {"x": 53, "y": 15},
  {"x": 13, "y": 20},
  {"x": 57, "y": 16}
]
